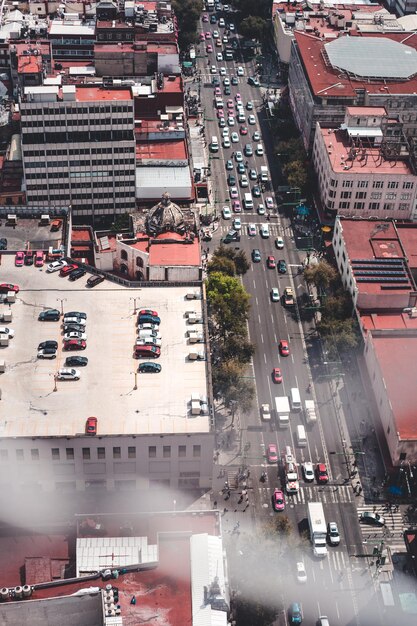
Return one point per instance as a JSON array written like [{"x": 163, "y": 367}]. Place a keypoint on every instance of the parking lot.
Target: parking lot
[
  {"x": 29, "y": 231},
  {"x": 106, "y": 388}
]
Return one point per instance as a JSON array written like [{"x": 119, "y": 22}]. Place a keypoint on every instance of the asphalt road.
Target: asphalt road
[{"x": 339, "y": 586}]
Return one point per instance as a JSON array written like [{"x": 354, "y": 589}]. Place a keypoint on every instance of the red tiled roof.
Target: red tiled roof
[
  {"x": 167, "y": 254},
  {"x": 29, "y": 64},
  {"x": 408, "y": 237},
  {"x": 328, "y": 82},
  {"x": 173, "y": 85},
  {"x": 81, "y": 234},
  {"x": 85, "y": 94},
  {"x": 162, "y": 150}
]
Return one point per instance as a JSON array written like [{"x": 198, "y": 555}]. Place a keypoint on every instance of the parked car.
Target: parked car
[
  {"x": 5, "y": 287},
  {"x": 49, "y": 344},
  {"x": 67, "y": 269},
  {"x": 79, "y": 321},
  {"x": 19, "y": 259},
  {"x": 47, "y": 353},
  {"x": 149, "y": 368},
  {"x": 66, "y": 373},
  {"x": 50, "y": 315},
  {"x": 149, "y": 319},
  {"x": 39, "y": 258},
  {"x": 373, "y": 519},
  {"x": 278, "y": 500},
  {"x": 3, "y": 243},
  {"x": 56, "y": 266},
  {"x": 76, "y": 361},
  {"x": 95, "y": 280},
  {"x": 29, "y": 257},
  {"x": 75, "y": 344},
  {"x": 75, "y": 334},
  {"x": 152, "y": 352},
  {"x": 148, "y": 341},
  {"x": 147, "y": 312},
  {"x": 91, "y": 426},
  {"x": 147, "y": 326},
  {"x": 76, "y": 274},
  {"x": 6, "y": 330},
  {"x": 79, "y": 314}
]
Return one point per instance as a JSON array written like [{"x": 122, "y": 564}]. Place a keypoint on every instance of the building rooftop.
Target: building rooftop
[
  {"x": 182, "y": 550},
  {"x": 397, "y": 357},
  {"x": 328, "y": 81},
  {"x": 167, "y": 254},
  {"x": 174, "y": 150},
  {"x": 368, "y": 160},
  {"x": 94, "y": 94}
]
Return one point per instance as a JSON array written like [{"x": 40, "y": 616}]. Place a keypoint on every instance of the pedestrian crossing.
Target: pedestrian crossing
[
  {"x": 391, "y": 533},
  {"x": 330, "y": 494}
]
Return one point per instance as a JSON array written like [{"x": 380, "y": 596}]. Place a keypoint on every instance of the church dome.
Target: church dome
[{"x": 164, "y": 217}]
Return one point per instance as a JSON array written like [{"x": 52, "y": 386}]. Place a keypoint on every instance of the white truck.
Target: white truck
[
  {"x": 310, "y": 412},
  {"x": 292, "y": 485},
  {"x": 195, "y": 337},
  {"x": 318, "y": 530},
  {"x": 282, "y": 407},
  {"x": 265, "y": 412},
  {"x": 264, "y": 174}
]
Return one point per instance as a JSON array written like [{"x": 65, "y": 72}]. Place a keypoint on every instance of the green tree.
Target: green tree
[
  {"x": 241, "y": 262},
  {"x": 291, "y": 150},
  {"x": 239, "y": 348},
  {"x": 239, "y": 259},
  {"x": 222, "y": 264},
  {"x": 322, "y": 275},
  {"x": 230, "y": 384},
  {"x": 341, "y": 336},
  {"x": 253, "y": 7},
  {"x": 228, "y": 302},
  {"x": 187, "y": 13},
  {"x": 253, "y": 27},
  {"x": 337, "y": 306},
  {"x": 296, "y": 173}
]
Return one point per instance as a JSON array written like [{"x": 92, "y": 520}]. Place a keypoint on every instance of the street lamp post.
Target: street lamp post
[
  {"x": 61, "y": 300},
  {"x": 135, "y": 374},
  {"x": 134, "y": 304}
]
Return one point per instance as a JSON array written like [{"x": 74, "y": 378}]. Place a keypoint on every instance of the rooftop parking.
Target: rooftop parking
[
  {"x": 29, "y": 231},
  {"x": 106, "y": 389}
]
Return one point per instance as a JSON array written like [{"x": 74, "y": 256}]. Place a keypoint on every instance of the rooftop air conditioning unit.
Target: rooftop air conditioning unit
[{"x": 413, "y": 312}]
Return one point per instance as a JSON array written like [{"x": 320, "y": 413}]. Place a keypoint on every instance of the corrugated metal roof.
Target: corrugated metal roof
[
  {"x": 207, "y": 564},
  {"x": 164, "y": 178}
]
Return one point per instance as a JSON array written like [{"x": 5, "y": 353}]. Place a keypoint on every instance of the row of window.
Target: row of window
[
  {"x": 75, "y": 110},
  {"x": 78, "y": 163},
  {"x": 377, "y": 184},
  {"x": 100, "y": 453},
  {"x": 64, "y": 199},
  {"x": 125, "y": 36},
  {"x": 372, "y": 206},
  {"x": 67, "y": 125},
  {"x": 99, "y": 184},
  {"x": 375, "y": 195},
  {"x": 110, "y": 136},
  {"x": 79, "y": 151}
]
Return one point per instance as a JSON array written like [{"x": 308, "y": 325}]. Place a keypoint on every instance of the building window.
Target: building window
[
  {"x": 403, "y": 206},
  {"x": 390, "y": 196},
  {"x": 346, "y": 195},
  {"x": 69, "y": 453},
  {"x": 344, "y": 205},
  {"x": 19, "y": 455},
  {"x": 34, "y": 453},
  {"x": 392, "y": 184},
  {"x": 373, "y": 206},
  {"x": 4, "y": 454},
  {"x": 139, "y": 261},
  {"x": 131, "y": 452},
  {"x": 166, "y": 452},
  {"x": 116, "y": 452},
  {"x": 363, "y": 184},
  {"x": 405, "y": 196},
  {"x": 86, "y": 454},
  {"x": 360, "y": 195},
  {"x": 376, "y": 195},
  {"x": 347, "y": 183},
  {"x": 55, "y": 454},
  {"x": 101, "y": 453},
  {"x": 152, "y": 452},
  {"x": 359, "y": 205},
  {"x": 378, "y": 184},
  {"x": 332, "y": 193},
  {"x": 196, "y": 451},
  {"x": 403, "y": 456},
  {"x": 388, "y": 206},
  {"x": 333, "y": 182},
  {"x": 182, "y": 451},
  {"x": 408, "y": 185},
  {"x": 123, "y": 255}
]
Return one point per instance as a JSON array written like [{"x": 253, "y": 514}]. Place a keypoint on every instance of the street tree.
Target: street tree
[
  {"x": 296, "y": 173},
  {"x": 239, "y": 258},
  {"x": 340, "y": 335},
  {"x": 187, "y": 13},
  {"x": 221, "y": 264},
  {"x": 238, "y": 347},
  {"x": 322, "y": 275},
  {"x": 230, "y": 385},
  {"x": 228, "y": 302},
  {"x": 291, "y": 150},
  {"x": 253, "y": 27}
]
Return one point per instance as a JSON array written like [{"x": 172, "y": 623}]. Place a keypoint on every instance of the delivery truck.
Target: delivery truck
[
  {"x": 282, "y": 407},
  {"x": 318, "y": 530},
  {"x": 310, "y": 412}
]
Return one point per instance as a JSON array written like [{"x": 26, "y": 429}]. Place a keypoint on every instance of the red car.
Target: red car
[
  {"x": 271, "y": 262},
  {"x": 148, "y": 312},
  {"x": 243, "y": 130},
  {"x": 236, "y": 206},
  {"x": 67, "y": 269},
  {"x": 205, "y": 17},
  {"x": 75, "y": 344},
  {"x": 217, "y": 92},
  {"x": 5, "y": 287},
  {"x": 278, "y": 500},
  {"x": 284, "y": 348},
  {"x": 39, "y": 258},
  {"x": 322, "y": 475},
  {"x": 272, "y": 453},
  {"x": 220, "y": 113},
  {"x": 91, "y": 426},
  {"x": 208, "y": 35},
  {"x": 19, "y": 259},
  {"x": 276, "y": 375}
]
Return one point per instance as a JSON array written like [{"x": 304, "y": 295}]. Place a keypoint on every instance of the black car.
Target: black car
[
  {"x": 76, "y": 361},
  {"x": 51, "y": 315},
  {"x": 282, "y": 266},
  {"x": 149, "y": 319},
  {"x": 29, "y": 257},
  {"x": 227, "y": 91},
  {"x": 76, "y": 274},
  {"x": 151, "y": 368},
  {"x": 215, "y": 81},
  {"x": 373, "y": 519},
  {"x": 231, "y": 180},
  {"x": 79, "y": 314},
  {"x": 232, "y": 235},
  {"x": 3, "y": 243},
  {"x": 48, "y": 345},
  {"x": 95, "y": 280},
  {"x": 68, "y": 328}
]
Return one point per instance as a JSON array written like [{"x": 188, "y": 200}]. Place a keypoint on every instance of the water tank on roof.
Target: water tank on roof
[
  {"x": 27, "y": 591},
  {"x": 4, "y": 593},
  {"x": 18, "y": 592}
]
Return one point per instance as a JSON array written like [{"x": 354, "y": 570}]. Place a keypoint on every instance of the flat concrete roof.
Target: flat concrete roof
[{"x": 161, "y": 402}]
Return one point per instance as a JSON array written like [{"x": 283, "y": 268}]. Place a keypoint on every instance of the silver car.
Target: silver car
[{"x": 66, "y": 373}]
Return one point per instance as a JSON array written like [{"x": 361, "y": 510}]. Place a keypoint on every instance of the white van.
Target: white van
[
  {"x": 149, "y": 333},
  {"x": 264, "y": 231},
  {"x": 301, "y": 436},
  {"x": 295, "y": 399},
  {"x": 247, "y": 201},
  {"x": 259, "y": 149},
  {"x": 214, "y": 145}
]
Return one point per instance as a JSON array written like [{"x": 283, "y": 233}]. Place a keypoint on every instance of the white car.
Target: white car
[
  {"x": 240, "y": 71},
  {"x": 147, "y": 334},
  {"x": 46, "y": 353},
  {"x": 223, "y": 71},
  {"x": 222, "y": 23},
  {"x": 231, "y": 121},
  {"x": 235, "y": 138},
  {"x": 244, "y": 181},
  {"x": 232, "y": 28},
  {"x": 75, "y": 334},
  {"x": 225, "y": 132},
  {"x": 5, "y": 330},
  {"x": 226, "y": 142},
  {"x": 261, "y": 209},
  {"x": 148, "y": 326},
  {"x": 237, "y": 223},
  {"x": 148, "y": 341},
  {"x": 259, "y": 149},
  {"x": 279, "y": 242},
  {"x": 264, "y": 231},
  {"x": 269, "y": 201},
  {"x": 219, "y": 56},
  {"x": 74, "y": 320},
  {"x": 216, "y": 34},
  {"x": 301, "y": 572},
  {"x": 251, "y": 230},
  {"x": 274, "y": 294},
  {"x": 226, "y": 212},
  {"x": 55, "y": 266},
  {"x": 251, "y": 120},
  {"x": 213, "y": 69},
  {"x": 66, "y": 373},
  {"x": 308, "y": 472},
  {"x": 333, "y": 533},
  {"x": 238, "y": 157}
]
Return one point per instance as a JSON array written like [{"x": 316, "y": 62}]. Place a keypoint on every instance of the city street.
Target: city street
[{"x": 342, "y": 585}]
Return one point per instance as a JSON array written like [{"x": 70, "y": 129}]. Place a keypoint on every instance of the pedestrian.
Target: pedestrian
[
  {"x": 215, "y": 504},
  {"x": 240, "y": 500},
  {"x": 247, "y": 473}
]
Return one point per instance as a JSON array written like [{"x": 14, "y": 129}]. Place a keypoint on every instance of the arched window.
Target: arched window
[
  {"x": 123, "y": 255},
  {"x": 139, "y": 261}
]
